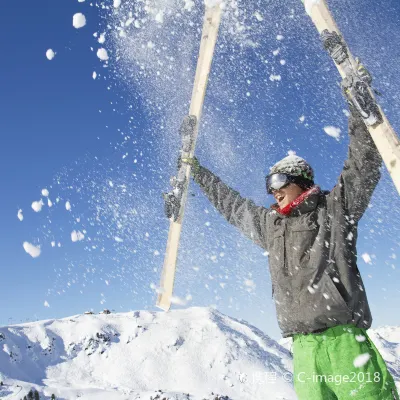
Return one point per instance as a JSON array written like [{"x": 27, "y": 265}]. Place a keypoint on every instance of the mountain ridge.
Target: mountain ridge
[{"x": 194, "y": 353}]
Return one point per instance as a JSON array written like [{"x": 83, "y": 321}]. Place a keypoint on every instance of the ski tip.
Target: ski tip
[
  {"x": 163, "y": 307},
  {"x": 163, "y": 304},
  {"x": 309, "y": 5}
]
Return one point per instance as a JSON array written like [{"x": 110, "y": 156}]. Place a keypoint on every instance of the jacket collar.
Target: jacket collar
[{"x": 306, "y": 202}]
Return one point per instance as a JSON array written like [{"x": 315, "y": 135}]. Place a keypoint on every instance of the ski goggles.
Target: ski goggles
[{"x": 279, "y": 181}]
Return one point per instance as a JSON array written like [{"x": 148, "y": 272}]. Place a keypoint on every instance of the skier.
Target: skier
[{"x": 311, "y": 236}]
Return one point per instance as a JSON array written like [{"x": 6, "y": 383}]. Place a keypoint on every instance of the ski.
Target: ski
[
  {"x": 175, "y": 200},
  {"x": 356, "y": 85}
]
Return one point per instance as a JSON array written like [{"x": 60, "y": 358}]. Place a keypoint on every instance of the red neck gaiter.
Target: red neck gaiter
[{"x": 287, "y": 209}]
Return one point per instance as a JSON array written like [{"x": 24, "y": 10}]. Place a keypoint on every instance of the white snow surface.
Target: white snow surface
[
  {"x": 192, "y": 351},
  {"x": 183, "y": 354},
  {"x": 78, "y": 20},
  {"x": 50, "y": 54},
  {"x": 32, "y": 250}
]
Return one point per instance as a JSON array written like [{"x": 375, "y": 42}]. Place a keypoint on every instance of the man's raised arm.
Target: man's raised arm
[
  {"x": 361, "y": 171},
  {"x": 240, "y": 212}
]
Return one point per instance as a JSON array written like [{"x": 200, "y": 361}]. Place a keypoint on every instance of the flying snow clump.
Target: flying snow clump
[
  {"x": 37, "y": 205},
  {"x": 273, "y": 77},
  {"x": 20, "y": 215},
  {"x": 361, "y": 338},
  {"x": 68, "y": 206},
  {"x": 311, "y": 289},
  {"x": 32, "y": 250},
  {"x": 178, "y": 301},
  {"x": 94, "y": 75},
  {"x": 46, "y": 304},
  {"x": 361, "y": 360},
  {"x": 102, "y": 54},
  {"x": 78, "y": 20},
  {"x": 102, "y": 38},
  {"x": 250, "y": 284},
  {"x": 117, "y": 3},
  {"x": 45, "y": 193},
  {"x": 77, "y": 236},
  {"x": 189, "y": 4},
  {"x": 258, "y": 16},
  {"x": 50, "y": 54},
  {"x": 367, "y": 258},
  {"x": 332, "y": 131}
]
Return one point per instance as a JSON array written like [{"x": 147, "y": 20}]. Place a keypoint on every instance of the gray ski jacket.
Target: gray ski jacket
[{"x": 312, "y": 251}]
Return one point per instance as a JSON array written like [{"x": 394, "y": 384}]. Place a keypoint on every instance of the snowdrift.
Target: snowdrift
[{"x": 196, "y": 353}]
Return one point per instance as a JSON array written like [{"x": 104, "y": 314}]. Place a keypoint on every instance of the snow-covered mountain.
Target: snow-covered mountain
[{"x": 196, "y": 353}]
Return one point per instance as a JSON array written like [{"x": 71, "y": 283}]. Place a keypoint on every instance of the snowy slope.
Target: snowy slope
[
  {"x": 387, "y": 341},
  {"x": 194, "y": 353}
]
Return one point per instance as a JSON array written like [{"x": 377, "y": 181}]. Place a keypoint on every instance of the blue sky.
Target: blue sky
[{"x": 108, "y": 146}]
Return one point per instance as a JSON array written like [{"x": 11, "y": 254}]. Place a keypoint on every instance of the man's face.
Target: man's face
[{"x": 287, "y": 194}]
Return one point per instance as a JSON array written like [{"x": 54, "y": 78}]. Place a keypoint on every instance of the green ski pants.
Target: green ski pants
[{"x": 340, "y": 363}]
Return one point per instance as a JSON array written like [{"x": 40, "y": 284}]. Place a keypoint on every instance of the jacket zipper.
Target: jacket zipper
[{"x": 285, "y": 266}]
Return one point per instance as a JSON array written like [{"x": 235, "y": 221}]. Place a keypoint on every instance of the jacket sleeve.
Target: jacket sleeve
[
  {"x": 238, "y": 211},
  {"x": 361, "y": 172}
]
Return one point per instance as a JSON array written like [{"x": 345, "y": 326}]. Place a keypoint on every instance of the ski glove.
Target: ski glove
[{"x": 194, "y": 163}]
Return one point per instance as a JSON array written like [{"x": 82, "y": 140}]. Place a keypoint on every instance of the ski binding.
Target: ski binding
[{"x": 179, "y": 183}]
